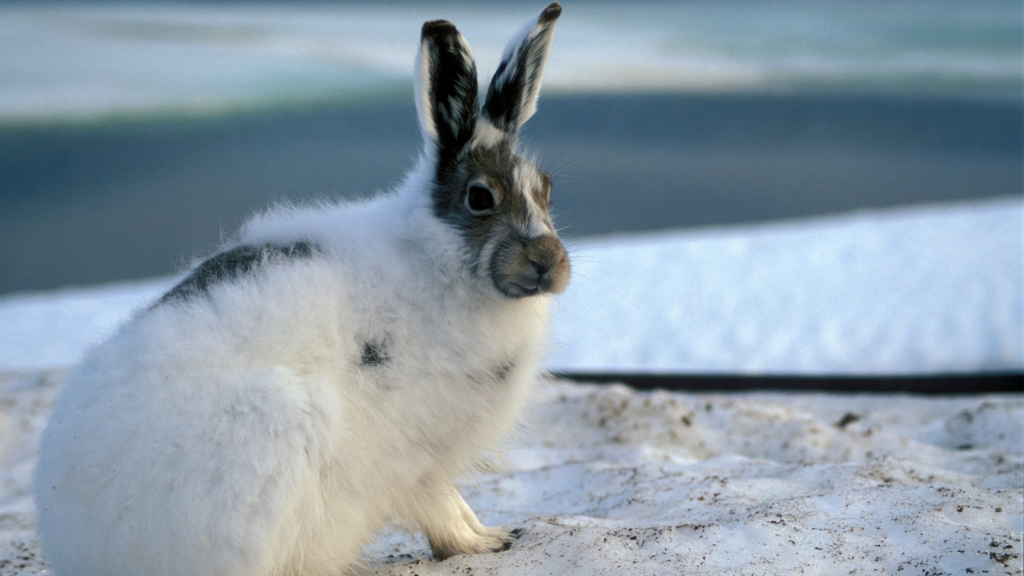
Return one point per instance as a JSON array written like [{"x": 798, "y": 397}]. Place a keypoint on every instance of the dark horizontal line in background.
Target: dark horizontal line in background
[{"x": 988, "y": 383}]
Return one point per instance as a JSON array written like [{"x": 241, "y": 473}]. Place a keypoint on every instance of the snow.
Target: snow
[
  {"x": 915, "y": 290},
  {"x": 608, "y": 480},
  {"x": 54, "y": 329}
]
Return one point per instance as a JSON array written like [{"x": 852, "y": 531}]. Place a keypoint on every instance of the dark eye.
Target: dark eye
[{"x": 480, "y": 198}]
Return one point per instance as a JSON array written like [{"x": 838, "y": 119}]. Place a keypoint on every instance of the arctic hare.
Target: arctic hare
[{"x": 332, "y": 370}]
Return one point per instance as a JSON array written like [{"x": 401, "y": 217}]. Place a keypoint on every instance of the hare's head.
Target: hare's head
[{"x": 495, "y": 200}]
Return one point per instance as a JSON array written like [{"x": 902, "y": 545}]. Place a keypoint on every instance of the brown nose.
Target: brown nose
[
  {"x": 540, "y": 277},
  {"x": 548, "y": 268},
  {"x": 523, "y": 267},
  {"x": 537, "y": 278}
]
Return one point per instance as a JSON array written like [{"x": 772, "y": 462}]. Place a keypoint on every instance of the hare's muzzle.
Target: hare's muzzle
[{"x": 522, "y": 267}]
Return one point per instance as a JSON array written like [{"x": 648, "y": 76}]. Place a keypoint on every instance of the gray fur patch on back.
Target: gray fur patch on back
[{"x": 234, "y": 263}]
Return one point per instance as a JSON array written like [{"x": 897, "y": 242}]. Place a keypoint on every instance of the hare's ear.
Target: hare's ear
[
  {"x": 512, "y": 95},
  {"x": 446, "y": 90}
]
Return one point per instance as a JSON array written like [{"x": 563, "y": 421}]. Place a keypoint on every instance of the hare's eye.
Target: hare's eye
[{"x": 480, "y": 199}]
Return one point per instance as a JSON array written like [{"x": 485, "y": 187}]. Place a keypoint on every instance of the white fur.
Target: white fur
[
  {"x": 528, "y": 179},
  {"x": 421, "y": 88},
  {"x": 236, "y": 433},
  {"x": 486, "y": 135}
]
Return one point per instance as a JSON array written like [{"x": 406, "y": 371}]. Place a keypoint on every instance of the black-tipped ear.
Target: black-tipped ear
[
  {"x": 512, "y": 95},
  {"x": 446, "y": 89}
]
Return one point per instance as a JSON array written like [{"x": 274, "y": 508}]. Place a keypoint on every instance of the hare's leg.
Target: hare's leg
[{"x": 451, "y": 526}]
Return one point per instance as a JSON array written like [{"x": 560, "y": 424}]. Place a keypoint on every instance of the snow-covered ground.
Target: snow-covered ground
[{"x": 607, "y": 480}]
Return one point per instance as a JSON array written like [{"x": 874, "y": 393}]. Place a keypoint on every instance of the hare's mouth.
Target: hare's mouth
[
  {"x": 528, "y": 283},
  {"x": 521, "y": 285},
  {"x": 523, "y": 291}
]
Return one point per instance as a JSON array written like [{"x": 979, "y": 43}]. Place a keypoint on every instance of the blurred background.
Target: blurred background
[{"x": 134, "y": 136}]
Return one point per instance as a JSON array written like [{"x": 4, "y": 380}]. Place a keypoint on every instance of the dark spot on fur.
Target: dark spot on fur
[
  {"x": 374, "y": 354},
  {"x": 232, "y": 264},
  {"x": 502, "y": 371},
  {"x": 553, "y": 11}
]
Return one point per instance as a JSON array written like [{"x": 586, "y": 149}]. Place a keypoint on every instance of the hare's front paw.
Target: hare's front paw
[
  {"x": 465, "y": 540},
  {"x": 452, "y": 528}
]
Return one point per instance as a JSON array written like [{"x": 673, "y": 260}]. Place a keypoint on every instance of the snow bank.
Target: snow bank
[
  {"x": 611, "y": 481},
  {"x": 54, "y": 329},
  {"x": 918, "y": 290},
  {"x": 913, "y": 290}
]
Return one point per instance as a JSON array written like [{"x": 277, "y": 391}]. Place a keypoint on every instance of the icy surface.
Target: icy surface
[
  {"x": 607, "y": 481},
  {"x": 921, "y": 290}
]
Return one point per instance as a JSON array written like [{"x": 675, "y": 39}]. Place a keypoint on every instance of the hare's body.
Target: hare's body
[
  {"x": 253, "y": 416},
  {"x": 331, "y": 372}
]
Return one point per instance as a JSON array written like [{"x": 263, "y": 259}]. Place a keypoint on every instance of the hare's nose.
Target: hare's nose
[
  {"x": 540, "y": 268},
  {"x": 543, "y": 267},
  {"x": 540, "y": 276},
  {"x": 533, "y": 278}
]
